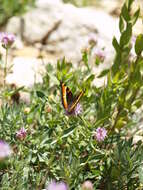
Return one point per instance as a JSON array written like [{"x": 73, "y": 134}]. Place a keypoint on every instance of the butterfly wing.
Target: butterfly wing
[
  {"x": 63, "y": 95},
  {"x": 68, "y": 100},
  {"x": 75, "y": 102},
  {"x": 67, "y": 96}
]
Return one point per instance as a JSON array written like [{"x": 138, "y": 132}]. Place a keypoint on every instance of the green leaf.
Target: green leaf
[
  {"x": 68, "y": 131},
  {"x": 129, "y": 3},
  {"x": 58, "y": 65},
  {"x": 139, "y": 44},
  {"x": 121, "y": 24},
  {"x": 141, "y": 174},
  {"x": 40, "y": 94},
  {"x": 15, "y": 91},
  {"x": 135, "y": 16},
  {"x": 126, "y": 36},
  {"x": 85, "y": 59},
  {"x": 97, "y": 61},
  {"x": 116, "y": 45},
  {"x": 63, "y": 66},
  {"x": 103, "y": 73},
  {"x": 125, "y": 13},
  {"x": 137, "y": 103},
  {"x": 100, "y": 122},
  {"x": 120, "y": 123},
  {"x": 90, "y": 78}
]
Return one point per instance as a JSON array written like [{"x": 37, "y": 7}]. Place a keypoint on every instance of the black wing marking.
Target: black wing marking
[
  {"x": 75, "y": 102},
  {"x": 69, "y": 96}
]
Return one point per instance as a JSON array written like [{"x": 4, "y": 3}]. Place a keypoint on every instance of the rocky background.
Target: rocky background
[{"x": 53, "y": 30}]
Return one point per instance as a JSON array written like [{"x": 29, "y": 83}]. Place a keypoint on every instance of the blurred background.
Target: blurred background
[{"x": 48, "y": 30}]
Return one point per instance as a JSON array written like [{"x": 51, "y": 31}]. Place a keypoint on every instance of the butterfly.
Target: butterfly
[{"x": 69, "y": 101}]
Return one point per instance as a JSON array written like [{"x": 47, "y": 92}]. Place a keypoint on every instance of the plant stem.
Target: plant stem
[
  {"x": 86, "y": 124},
  {"x": 5, "y": 67}
]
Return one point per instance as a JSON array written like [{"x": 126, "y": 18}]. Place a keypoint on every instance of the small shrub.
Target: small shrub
[{"x": 92, "y": 148}]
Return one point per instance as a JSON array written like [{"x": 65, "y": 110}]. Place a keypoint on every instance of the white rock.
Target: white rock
[
  {"x": 25, "y": 71},
  {"x": 72, "y": 34},
  {"x": 76, "y": 26}
]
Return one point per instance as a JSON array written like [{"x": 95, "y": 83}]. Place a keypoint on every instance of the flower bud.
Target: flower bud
[
  {"x": 48, "y": 109},
  {"x": 87, "y": 185},
  {"x": 27, "y": 110},
  {"x": 21, "y": 134}
]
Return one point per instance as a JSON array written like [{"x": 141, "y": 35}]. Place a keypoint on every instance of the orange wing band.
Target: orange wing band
[{"x": 64, "y": 98}]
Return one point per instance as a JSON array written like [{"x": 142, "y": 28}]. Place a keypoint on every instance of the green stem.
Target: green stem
[
  {"x": 5, "y": 67},
  {"x": 126, "y": 91},
  {"x": 86, "y": 124}
]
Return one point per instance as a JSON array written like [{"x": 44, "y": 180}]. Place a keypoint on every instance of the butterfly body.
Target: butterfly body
[{"x": 69, "y": 101}]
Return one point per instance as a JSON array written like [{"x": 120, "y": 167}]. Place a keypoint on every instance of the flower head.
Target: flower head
[
  {"x": 101, "y": 133},
  {"x": 99, "y": 55},
  {"x": 21, "y": 134},
  {"x": 57, "y": 186},
  {"x": 5, "y": 149},
  {"x": 92, "y": 39},
  {"x": 78, "y": 109},
  {"x": 7, "y": 40},
  {"x": 87, "y": 185}
]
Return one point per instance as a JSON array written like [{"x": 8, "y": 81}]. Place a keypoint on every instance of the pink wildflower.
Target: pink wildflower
[
  {"x": 100, "y": 55},
  {"x": 5, "y": 150},
  {"x": 77, "y": 111},
  {"x": 57, "y": 186},
  {"x": 21, "y": 134},
  {"x": 101, "y": 133},
  {"x": 87, "y": 185},
  {"x": 7, "y": 40}
]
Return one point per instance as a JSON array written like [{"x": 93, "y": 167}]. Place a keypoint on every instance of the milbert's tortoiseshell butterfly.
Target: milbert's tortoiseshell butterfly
[{"x": 68, "y": 100}]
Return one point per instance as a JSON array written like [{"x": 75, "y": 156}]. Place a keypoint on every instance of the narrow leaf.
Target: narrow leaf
[
  {"x": 126, "y": 36},
  {"x": 125, "y": 13},
  {"x": 135, "y": 16},
  {"x": 139, "y": 44},
  {"x": 121, "y": 24},
  {"x": 103, "y": 73},
  {"x": 116, "y": 44},
  {"x": 40, "y": 94}
]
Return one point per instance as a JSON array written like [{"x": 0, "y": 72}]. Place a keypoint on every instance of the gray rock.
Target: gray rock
[{"x": 64, "y": 29}]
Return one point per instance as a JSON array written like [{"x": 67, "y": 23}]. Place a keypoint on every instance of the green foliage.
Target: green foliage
[
  {"x": 64, "y": 147},
  {"x": 139, "y": 44},
  {"x": 13, "y": 7},
  {"x": 121, "y": 165}
]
